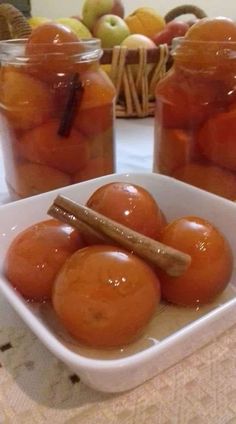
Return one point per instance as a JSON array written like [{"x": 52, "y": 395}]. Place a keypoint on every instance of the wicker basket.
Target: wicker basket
[
  {"x": 135, "y": 89},
  {"x": 23, "y": 5},
  {"x": 134, "y": 73},
  {"x": 13, "y": 24}
]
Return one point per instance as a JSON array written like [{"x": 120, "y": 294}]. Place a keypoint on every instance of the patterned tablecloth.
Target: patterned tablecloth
[{"x": 36, "y": 388}]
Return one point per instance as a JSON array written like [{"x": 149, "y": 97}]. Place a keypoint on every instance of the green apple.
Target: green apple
[
  {"x": 36, "y": 21},
  {"x": 111, "y": 29},
  {"x": 94, "y": 9},
  {"x": 76, "y": 26}
]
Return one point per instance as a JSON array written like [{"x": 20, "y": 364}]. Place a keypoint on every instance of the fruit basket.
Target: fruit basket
[{"x": 134, "y": 72}]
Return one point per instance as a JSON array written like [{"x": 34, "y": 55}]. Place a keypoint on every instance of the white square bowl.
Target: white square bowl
[{"x": 174, "y": 332}]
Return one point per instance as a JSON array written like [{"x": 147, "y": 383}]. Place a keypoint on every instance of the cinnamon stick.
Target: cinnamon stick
[
  {"x": 74, "y": 97},
  {"x": 68, "y": 218},
  {"x": 172, "y": 261}
]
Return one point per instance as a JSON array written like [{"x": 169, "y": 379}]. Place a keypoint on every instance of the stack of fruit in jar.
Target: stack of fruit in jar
[
  {"x": 57, "y": 111},
  {"x": 195, "y": 126},
  {"x": 103, "y": 293}
]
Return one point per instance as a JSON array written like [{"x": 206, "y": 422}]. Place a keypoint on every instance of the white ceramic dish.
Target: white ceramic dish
[{"x": 174, "y": 332}]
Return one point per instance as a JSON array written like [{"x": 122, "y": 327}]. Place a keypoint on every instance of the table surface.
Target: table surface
[{"x": 37, "y": 388}]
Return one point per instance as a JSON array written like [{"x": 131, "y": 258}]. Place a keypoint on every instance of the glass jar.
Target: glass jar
[
  {"x": 195, "y": 117},
  {"x": 56, "y": 115}
]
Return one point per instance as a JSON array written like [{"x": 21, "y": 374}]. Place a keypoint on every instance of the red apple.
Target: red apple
[{"x": 172, "y": 29}]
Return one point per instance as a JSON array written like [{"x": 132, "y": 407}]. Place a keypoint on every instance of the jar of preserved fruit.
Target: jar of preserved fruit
[
  {"x": 56, "y": 112},
  {"x": 195, "y": 117}
]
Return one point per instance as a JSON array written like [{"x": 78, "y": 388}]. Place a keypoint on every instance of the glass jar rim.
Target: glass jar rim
[
  {"x": 13, "y": 50},
  {"x": 184, "y": 49},
  {"x": 178, "y": 41}
]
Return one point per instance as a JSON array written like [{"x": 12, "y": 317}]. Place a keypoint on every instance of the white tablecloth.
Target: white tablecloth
[{"x": 134, "y": 144}]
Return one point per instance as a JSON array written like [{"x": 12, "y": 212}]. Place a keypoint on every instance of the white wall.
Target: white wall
[{"x": 64, "y": 8}]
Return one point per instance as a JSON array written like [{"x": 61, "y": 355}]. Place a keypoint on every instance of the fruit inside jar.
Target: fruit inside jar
[
  {"x": 195, "y": 108},
  {"x": 56, "y": 111}
]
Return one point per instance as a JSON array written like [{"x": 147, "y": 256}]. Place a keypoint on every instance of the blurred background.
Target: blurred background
[{"x": 55, "y": 8}]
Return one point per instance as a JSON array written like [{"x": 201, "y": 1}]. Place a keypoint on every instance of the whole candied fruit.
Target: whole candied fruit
[
  {"x": 50, "y": 49},
  {"x": 97, "y": 104},
  {"x": 130, "y": 205},
  {"x": 44, "y": 145},
  {"x": 216, "y": 139},
  {"x": 208, "y": 177},
  {"x": 95, "y": 112},
  {"x": 101, "y": 117},
  {"x": 212, "y": 29},
  {"x": 185, "y": 102},
  {"x": 28, "y": 179},
  {"x": 208, "y": 47},
  {"x": 98, "y": 89},
  {"x": 27, "y": 101},
  {"x": 174, "y": 150},
  {"x": 101, "y": 145},
  {"x": 105, "y": 296},
  {"x": 36, "y": 255},
  {"x": 96, "y": 167},
  {"x": 211, "y": 266},
  {"x": 51, "y": 37}
]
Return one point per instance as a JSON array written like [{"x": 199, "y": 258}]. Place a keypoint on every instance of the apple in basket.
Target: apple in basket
[
  {"x": 76, "y": 26},
  {"x": 111, "y": 29},
  {"x": 35, "y": 21},
  {"x": 134, "y": 41},
  {"x": 172, "y": 30},
  {"x": 92, "y": 10}
]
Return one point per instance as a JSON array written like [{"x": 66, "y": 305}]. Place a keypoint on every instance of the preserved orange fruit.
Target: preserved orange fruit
[
  {"x": 196, "y": 99},
  {"x": 27, "y": 101},
  {"x": 43, "y": 145},
  {"x": 51, "y": 37},
  {"x": 37, "y": 254},
  {"x": 105, "y": 296},
  {"x": 29, "y": 179},
  {"x": 208, "y": 46},
  {"x": 216, "y": 139},
  {"x": 195, "y": 109},
  {"x": 50, "y": 48},
  {"x": 212, "y": 29},
  {"x": 208, "y": 177},
  {"x": 211, "y": 266},
  {"x": 130, "y": 205},
  {"x": 56, "y": 103},
  {"x": 174, "y": 150}
]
